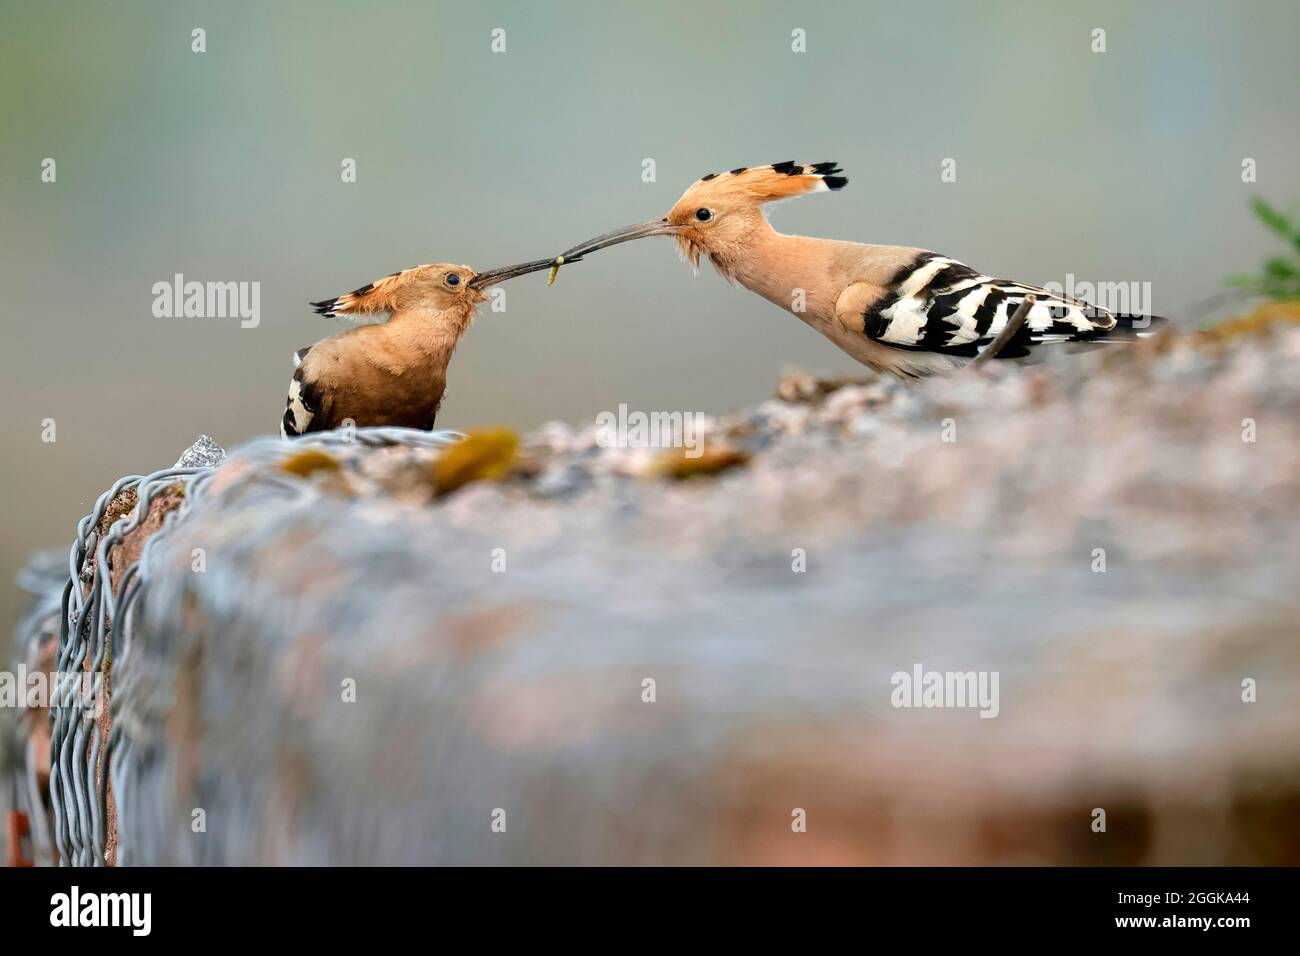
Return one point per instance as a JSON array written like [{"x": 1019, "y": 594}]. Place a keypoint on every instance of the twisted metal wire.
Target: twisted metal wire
[{"x": 95, "y": 626}]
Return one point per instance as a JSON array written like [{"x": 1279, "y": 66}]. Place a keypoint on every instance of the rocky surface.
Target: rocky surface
[
  {"x": 621, "y": 655},
  {"x": 204, "y": 453}
]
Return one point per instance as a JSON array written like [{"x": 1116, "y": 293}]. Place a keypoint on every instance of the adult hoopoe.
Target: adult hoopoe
[
  {"x": 896, "y": 309},
  {"x": 392, "y": 373}
]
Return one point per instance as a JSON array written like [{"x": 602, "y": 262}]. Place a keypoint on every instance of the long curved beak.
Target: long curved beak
[
  {"x": 655, "y": 227},
  {"x": 493, "y": 276}
]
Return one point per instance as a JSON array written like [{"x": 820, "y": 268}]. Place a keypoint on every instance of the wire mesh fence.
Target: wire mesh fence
[{"x": 93, "y": 596}]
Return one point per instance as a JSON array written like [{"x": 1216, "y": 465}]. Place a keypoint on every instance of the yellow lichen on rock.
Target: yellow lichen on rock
[
  {"x": 677, "y": 465},
  {"x": 1264, "y": 318},
  {"x": 309, "y": 461},
  {"x": 486, "y": 454}
]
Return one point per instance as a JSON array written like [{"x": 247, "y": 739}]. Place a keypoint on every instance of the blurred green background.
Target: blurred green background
[{"x": 225, "y": 166}]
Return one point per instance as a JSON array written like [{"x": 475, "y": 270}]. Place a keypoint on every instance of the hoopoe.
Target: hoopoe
[
  {"x": 394, "y": 373},
  {"x": 897, "y": 309}
]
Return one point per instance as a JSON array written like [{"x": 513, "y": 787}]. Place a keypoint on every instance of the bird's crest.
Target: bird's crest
[
  {"x": 372, "y": 298},
  {"x": 772, "y": 183}
]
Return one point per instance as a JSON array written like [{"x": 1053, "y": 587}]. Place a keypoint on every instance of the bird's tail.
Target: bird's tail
[{"x": 1129, "y": 328}]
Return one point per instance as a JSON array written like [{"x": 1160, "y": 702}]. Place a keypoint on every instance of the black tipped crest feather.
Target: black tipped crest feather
[
  {"x": 325, "y": 307},
  {"x": 827, "y": 172}
]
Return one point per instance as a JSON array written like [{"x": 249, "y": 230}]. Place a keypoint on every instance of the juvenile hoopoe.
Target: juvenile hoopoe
[
  {"x": 392, "y": 373},
  {"x": 896, "y": 309}
]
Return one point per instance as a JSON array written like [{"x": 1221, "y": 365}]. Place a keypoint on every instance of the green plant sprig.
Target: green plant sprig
[{"x": 1280, "y": 277}]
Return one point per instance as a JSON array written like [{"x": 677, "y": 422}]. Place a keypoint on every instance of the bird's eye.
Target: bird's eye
[
  {"x": 703, "y": 215},
  {"x": 452, "y": 279}
]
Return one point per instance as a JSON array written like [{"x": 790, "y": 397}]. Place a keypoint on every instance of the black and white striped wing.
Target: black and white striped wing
[{"x": 936, "y": 304}]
